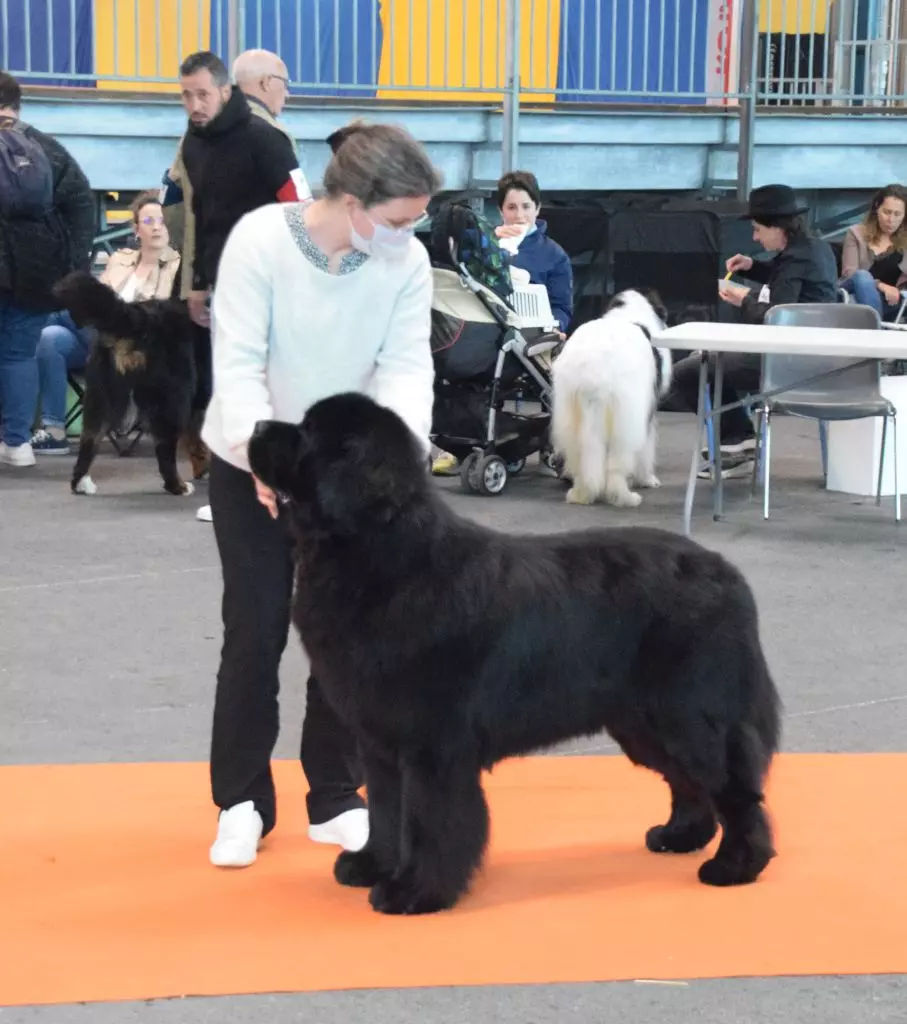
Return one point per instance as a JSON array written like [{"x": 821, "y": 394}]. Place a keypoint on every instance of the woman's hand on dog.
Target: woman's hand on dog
[
  {"x": 739, "y": 262},
  {"x": 266, "y": 496}
]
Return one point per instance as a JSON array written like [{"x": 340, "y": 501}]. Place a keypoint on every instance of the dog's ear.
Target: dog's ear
[
  {"x": 658, "y": 307},
  {"x": 274, "y": 453}
]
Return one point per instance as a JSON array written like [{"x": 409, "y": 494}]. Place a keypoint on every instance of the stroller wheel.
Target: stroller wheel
[
  {"x": 468, "y": 480},
  {"x": 517, "y": 466},
  {"x": 490, "y": 475}
]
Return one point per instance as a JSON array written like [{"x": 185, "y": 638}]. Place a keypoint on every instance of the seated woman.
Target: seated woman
[
  {"x": 519, "y": 200},
  {"x": 874, "y": 264},
  {"x": 803, "y": 269},
  {"x": 144, "y": 273}
]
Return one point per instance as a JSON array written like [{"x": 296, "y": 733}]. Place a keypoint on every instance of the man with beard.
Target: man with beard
[{"x": 234, "y": 158}]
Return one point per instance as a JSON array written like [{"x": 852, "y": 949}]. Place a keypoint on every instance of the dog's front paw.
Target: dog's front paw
[
  {"x": 84, "y": 486},
  {"x": 683, "y": 837},
  {"x": 624, "y": 499},
  {"x": 577, "y": 496},
  {"x": 400, "y": 894},
  {"x": 650, "y": 481},
  {"x": 359, "y": 869},
  {"x": 180, "y": 489}
]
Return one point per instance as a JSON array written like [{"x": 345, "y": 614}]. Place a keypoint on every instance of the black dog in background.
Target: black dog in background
[
  {"x": 149, "y": 351},
  {"x": 447, "y": 647}
]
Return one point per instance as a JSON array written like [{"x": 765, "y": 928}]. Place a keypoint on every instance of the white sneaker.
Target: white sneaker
[
  {"x": 238, "y": 835},
  {"x": 20, "y": 455},
  {"x": 204, "y": 514},
  {"x": 349, "y": 830}
]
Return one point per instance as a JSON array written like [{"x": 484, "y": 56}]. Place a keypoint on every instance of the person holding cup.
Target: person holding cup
[{"x": 802, "y": 268}]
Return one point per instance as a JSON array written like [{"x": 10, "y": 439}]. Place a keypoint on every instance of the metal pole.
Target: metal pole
[
  {"x": 235, "y": 13},
  {"x": 749, "y": 39},
  {"x": 510, "y": 143}
]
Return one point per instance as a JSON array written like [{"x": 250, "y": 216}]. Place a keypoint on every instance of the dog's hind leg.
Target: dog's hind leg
[
  {"x": 746, "y": 842},
  {"x": 644, "y": 474},
  {"x": 165, "y": 450},
  {"x": 94, "y": 426},
  {"x": 380, "y": 856},
  {"x": 445, "y": 829},
  {"x": 692, "y": 824}
]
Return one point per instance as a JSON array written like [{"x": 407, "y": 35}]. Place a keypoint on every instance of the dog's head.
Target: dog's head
[
  {"x": 350, "y": 465},
  {"x": 644, "y": 307}
]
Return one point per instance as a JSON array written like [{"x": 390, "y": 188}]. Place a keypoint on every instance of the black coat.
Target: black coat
[
  {"x": 806, "y": 271},
  {"x": 35, "y": 254},
  {"x": 235, "y": 163}
]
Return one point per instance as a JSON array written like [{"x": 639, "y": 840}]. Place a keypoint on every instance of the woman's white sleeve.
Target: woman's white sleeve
[
  {"x": 241, "y": 326},
  {"x": 404, "y": 373}
]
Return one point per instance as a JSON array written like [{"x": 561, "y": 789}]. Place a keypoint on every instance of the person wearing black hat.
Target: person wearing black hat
[{"x": 801, "y": 269}]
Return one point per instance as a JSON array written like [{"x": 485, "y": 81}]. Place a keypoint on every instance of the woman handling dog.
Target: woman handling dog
[
  {"x": 312, "y": 299},
  {"x": 802, "y": 269}
]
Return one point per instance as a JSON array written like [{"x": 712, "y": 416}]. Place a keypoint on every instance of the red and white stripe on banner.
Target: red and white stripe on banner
[{"x": 723, "y": 50}]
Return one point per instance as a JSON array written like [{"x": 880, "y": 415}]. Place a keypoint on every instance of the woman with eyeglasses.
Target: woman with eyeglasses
[
  {"x": 312, "y": 299},
  {"x": 146, "y": 272}
]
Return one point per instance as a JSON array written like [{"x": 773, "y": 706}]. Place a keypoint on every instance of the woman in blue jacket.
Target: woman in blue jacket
[{"x": 519, "y": 200}]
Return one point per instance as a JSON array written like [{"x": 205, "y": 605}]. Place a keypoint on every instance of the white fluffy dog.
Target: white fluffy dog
[{"x": 607, "y": 382}]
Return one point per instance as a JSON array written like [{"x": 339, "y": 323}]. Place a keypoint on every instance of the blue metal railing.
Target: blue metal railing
[{"x": 810, "y": 52}]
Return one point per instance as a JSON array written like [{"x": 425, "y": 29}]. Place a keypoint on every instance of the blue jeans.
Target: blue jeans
[
  {"x": 62, "y": 347},
  {"x": 20, "y": 331},
  {"x": 862, "y": 286}
]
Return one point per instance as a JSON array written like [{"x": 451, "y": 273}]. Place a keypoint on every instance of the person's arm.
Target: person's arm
[
  {"x": 785, "y": 288},
  {"x": 560, "y": 290},
  {"x": 278, "y": 166},
  {"x": 242, "y": 318},
  {"x": 74, "y": 203},
  {"x": 759, "y": 271},
  {"x": 404, "y": 372},
  {"x": 850, "y": 254}
]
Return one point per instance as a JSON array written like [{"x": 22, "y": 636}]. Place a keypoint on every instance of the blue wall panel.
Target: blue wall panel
[
  {"x": 37, "y": 36},
  {"x": 321, "y": 41},
  {"x": 643, "y": 47}
]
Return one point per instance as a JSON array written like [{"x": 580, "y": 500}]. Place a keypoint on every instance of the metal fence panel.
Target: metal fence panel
[{"x": 810, "y": 52}]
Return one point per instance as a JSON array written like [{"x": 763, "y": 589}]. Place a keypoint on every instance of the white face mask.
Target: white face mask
[{"x": 386, "y": 243}]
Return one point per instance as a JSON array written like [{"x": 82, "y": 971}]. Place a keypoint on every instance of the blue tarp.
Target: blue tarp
[
  {"x": 24, "y": 30},
  {"x": 615, "y": 46},
  {"x": 304, "y": 32}
]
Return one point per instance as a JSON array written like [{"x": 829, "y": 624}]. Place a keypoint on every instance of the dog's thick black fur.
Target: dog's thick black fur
[
  {"x": 148, "y": 350},
  {"x": 448, "y": 647}
]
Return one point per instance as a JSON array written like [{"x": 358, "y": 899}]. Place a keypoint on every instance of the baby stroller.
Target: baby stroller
[{"x": 492, "y": 365}]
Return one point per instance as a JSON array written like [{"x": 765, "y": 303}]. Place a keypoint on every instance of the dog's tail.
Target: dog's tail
[
  {"x": 582, "y": 424},
  {"x": 92, "y": 304}
]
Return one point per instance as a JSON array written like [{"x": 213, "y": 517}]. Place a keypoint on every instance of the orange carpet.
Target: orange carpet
[{"x": 106, "y": 893}]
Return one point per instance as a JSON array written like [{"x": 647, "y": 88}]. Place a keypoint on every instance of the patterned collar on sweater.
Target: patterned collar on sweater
[{"x": 293, "y": 214}]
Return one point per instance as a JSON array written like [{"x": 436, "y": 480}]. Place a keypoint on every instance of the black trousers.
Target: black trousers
[
  {"x": 256, "y": 557},
  {"x": 742, "y": 376}
]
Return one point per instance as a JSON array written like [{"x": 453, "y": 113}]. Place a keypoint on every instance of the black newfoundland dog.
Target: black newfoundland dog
[
  {"x": 448, "y": 647},
  {"x": 149, "y": 352}
]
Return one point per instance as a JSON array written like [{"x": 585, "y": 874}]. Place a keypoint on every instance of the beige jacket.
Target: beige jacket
[
  {"x": 179, "y": 217},
  {"x": 856, "y": 254},
  {"x": 157, "y": 285}
]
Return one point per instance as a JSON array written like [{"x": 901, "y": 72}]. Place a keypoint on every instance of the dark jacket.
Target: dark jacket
[
  {"x": 35, "y": 254},
  {"x": 235, "y": 164},
  {"x": 806, "y": 271},
  {"x": 548, "y": 264}
]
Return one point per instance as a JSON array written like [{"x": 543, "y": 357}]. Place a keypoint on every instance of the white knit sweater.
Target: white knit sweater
[{"x": 287, "y": 333}]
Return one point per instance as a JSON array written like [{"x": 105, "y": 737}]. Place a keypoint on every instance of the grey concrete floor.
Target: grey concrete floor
[{"x": 111, "y": 635}]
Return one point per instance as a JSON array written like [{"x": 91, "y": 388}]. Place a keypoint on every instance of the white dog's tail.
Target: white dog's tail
[{"x": 582, "y": 425}]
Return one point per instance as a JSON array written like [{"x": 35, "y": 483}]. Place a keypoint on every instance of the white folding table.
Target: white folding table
[{"x": 720, "y": 339}]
